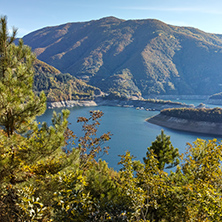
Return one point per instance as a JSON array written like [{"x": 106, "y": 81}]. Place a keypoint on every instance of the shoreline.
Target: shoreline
[
  {"x": 210, "y": 128},
  {"x": 71, "y": 103},
  {"x": 138, "y": 104}
]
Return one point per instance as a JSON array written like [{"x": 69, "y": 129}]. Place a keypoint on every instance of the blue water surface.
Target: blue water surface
[{"x": 130, "y": 130}]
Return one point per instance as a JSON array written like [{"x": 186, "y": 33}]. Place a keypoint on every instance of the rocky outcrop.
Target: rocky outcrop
[
  {"x": 71, "y": 103},
  {"x": 211, "y": 128}
]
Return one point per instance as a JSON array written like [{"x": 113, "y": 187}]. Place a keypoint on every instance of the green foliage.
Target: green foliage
[
  {"x": 160, "y": 101},
  {"x": 90, "y": 145},
  {"x": 196, "y": 185},
  {"x": 133, "y": 194},
  {"x": 30, "y": 153},
  {"x": 18, "y": 103},
  {"x": 122, "y": 83},
  {"x": 198, "y": 114},
  {"x": 42, "y": 67},
  {"x": 93, "y": 195},
  {"x": 164, "y": 152},
  {"x": 71, "y": 202},
  {"x": 62, "y": 87}
]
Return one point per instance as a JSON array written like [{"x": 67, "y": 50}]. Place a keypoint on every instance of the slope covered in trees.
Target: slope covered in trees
[
  {"x": 133, "y": 57},
  {"x": 58, "y": 86},
  {"x": 198, "y": 114}
]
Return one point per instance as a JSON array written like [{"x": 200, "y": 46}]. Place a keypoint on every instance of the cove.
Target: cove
[{"x": 130, "y": 130}]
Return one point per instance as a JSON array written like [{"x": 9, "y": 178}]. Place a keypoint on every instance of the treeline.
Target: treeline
[
  {"x": 160, "y": 101},
  {"x": 198, "y": 114},
  {"x": 118, "y": 96}
]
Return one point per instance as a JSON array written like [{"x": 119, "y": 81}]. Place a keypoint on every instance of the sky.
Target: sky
[{"x": 31, "y": 15}]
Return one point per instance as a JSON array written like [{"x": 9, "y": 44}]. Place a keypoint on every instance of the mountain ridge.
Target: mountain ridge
[{"x": 133, "y": 57}]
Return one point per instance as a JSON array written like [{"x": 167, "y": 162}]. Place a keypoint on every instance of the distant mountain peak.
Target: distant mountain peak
[
  {"x": 110, "y": 18},
  {"x": 131, "y": 57}
]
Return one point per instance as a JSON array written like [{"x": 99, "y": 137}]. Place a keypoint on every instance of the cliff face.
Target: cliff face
[
  {"x": 133, "y": 57},
  {"x": 210, "y": 128}
]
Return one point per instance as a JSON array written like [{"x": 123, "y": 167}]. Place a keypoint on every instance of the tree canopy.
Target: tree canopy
[{"x": 198, "y": 114}]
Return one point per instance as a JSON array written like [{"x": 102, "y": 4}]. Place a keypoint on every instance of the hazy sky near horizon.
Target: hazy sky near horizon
[{"x": 30, "y": 15}]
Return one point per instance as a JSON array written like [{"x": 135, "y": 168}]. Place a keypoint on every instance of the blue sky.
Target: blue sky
[{"x": 30, "y": 15}]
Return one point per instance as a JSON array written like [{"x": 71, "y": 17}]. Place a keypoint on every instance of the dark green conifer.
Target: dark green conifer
[
  {"x": 27, "y": 150},
  {"x": 164, "y": 151},
  {"x": 18, "y": 104}
]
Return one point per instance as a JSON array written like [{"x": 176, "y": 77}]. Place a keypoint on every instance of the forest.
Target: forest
[
  {"x": 48, "y": 174},
  {"x": 59, "y": 86},
  {"x": 197, "y": 114}
]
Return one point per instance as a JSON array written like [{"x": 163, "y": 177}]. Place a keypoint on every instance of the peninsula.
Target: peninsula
[{"x": 198, "y": 120}]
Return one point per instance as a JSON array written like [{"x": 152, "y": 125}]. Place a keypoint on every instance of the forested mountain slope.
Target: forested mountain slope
[
  {"x": 133, "y": 57},
  {"x": 58, "y": 86}
]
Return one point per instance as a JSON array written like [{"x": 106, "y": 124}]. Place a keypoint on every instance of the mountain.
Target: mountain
[
  {"x": 59, "y": 86},
  {"x": 133, "y": 57}
]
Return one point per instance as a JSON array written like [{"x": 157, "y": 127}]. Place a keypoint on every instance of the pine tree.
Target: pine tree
[
  {"x": 28, "y": 151},
  {"x": 164, "y": 151},
  {"x": 18, "y": 104}
]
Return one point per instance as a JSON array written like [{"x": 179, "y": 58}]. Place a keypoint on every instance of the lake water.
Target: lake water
[{"x": 130, "y": 130}]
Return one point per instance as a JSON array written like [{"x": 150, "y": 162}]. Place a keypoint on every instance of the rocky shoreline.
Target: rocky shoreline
[
  {"x": 70, "y": 103},
  {"x": 210, "y": 128},
  {"x": 139, "y": 104}
]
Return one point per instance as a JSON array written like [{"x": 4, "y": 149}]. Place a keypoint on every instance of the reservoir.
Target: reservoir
[{"x": 130, "y": 130}]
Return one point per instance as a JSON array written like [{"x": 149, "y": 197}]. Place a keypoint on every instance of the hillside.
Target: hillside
[
  {"x": 133, "y": 57},
  {"x": 58, "y": 86},
  {"x": 197, "y": 114},
  {"x": 207, "y": 121}
]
